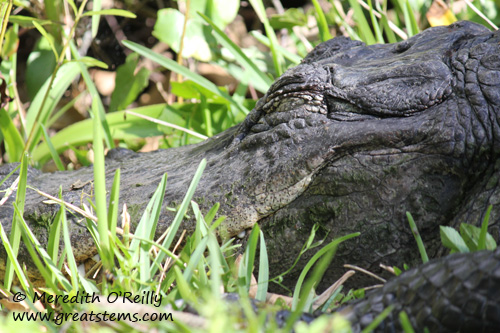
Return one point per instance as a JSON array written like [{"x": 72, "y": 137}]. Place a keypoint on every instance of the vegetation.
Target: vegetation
[{"x": 48, "y": 74}]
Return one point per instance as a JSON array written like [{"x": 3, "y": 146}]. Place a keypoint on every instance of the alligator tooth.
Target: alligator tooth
[
  {"x": 306, "y": 97},
  {"x": 318, "y": 97}
]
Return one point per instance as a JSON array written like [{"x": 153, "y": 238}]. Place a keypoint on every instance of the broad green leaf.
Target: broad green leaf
[
  {"x": 128, "y": 83},
  {"x": 169, "y": 27},
  {"x": 122, "y": 127},
  {"x": 471, "y": 234},
  {"x": 63, "y": 79},
  {"x": 48, "y": 38},
  {"x": 290, "y": 18},
  {"x": 222, "y": 12},
  {"x": 39, "y": 67},
  {"x": 452, "y": 240},
  {"x": 10, "y": 44},
  {"x": 53, "y": 9},
  {"x": 14, "y": 143}
]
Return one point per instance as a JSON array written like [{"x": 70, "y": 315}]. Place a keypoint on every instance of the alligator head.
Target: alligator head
[{"x": 357, "y": 135}]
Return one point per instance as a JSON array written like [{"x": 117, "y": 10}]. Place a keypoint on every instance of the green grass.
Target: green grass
[{"x": 203, "y": 268}]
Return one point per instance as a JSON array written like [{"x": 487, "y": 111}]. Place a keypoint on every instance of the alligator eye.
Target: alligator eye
[{"x": 339, "y": 109}]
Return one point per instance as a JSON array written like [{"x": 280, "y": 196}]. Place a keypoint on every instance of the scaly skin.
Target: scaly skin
[
  {"x": 458, "y": 293},
  {"x": 350, "y": 139}
]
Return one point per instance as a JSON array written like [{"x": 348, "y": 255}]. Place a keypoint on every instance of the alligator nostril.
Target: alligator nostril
[{"x": 401, "y": 47}]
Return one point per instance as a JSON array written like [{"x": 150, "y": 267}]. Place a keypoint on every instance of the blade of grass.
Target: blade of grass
[
  {"x": 114, "y": 202},
  {"x": 295, "y": 59},
  {"x": 15, "y": 231},
  {"x": 29, "y": 240},
  {"x": 247, "y": 263},
  {"x": 418, "y": 239},
  {"x": 5, "y": 8},
  {"x": 13, "y": 258},
  {"x": 53, "y": 152},
  {"x": 180, "y": 214},
  {"x": 46, "y": 100},
  {"x": 241, "y": 57},
  {"x": 481, "y": 243},
  {"x": 375, "y": 24},
  {"x": 391, "y": 37},
  {"x": 45, "y": 34},
  {"x": 312, "y": 261},
  {"x": 307, "y": 293},
  {"x": 173, "y": 66},
  {"x": 55, "y": 234},
  {"x": 324, "y": 32},
  {"x": 363, "y": 26},
  {"x": 412, "y": 20},
  {"x": 373, "y": 325},
  {"x": 263, "y": 279},
  {"x": 147, "y": 229},
  {"x": 259, "y": 9},
  {"x": 96, "y": 99},
  {"x": 147, "y": 225},
  {"x": 112, "y": 11},
  {"x": 215, "y": 265},
  {"x": 96, "y": 6},
  {"x": 209, "y": 217},
  {"x": 69, "y": 250},
  {"x": 100, "y": 188},
  {"x": 10, "y": 174},
  {"x": 195, "y": 258},
  {"x": 185, "y": 289},
  {"x": 405, "y": 322}
]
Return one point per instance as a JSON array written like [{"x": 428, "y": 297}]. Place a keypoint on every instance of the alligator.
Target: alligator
[{"x": 347, "y": 141}]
